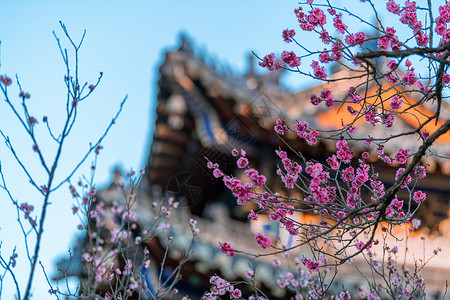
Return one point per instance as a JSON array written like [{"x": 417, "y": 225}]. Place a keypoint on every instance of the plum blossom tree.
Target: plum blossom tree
[
  {"x": 49, "y": 158},
  {"x": 392, "y": 72}
]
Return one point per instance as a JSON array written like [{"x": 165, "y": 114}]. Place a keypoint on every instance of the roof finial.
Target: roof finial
[
  {"x": 185, "y": 44},
  {"x": 117, "y": 176},
  {"x": 251, "y": 64}
]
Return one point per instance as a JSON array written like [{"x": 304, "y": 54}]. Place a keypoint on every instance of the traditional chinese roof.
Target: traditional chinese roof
[{"x": 202, "y": 113}]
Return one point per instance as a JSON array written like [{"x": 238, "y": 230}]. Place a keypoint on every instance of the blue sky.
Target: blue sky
[{"x": 126, "y": 41}]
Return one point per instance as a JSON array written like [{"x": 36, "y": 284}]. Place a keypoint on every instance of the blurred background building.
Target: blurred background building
[{"x": 205, "y": 113}]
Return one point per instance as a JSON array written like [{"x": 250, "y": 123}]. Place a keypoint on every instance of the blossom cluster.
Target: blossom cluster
[
  {"x": 288, "y": 35},
  {"x": 290, "y": 58},
  {"x": 320, "y": 193},
  {"x": 221, "y": 287},
  {"x": 319, "y": 71},
  {"x": 27, "y": 209},
  {"x": 226, "y": 248},
  {"x": 355, "y": 39},
  {"x": 5, "y": 80},
  {"x": 303, "y": 131},
  {"x": 309, "y": 21},
  {"x": 270, "y": 63},
  {"x": 263, "y": 242},
  {"x": 243, "y": 192},
  {"x": 389, "y": 40},
  {"x": 314, "y": 265},
  {"x": 281, "y": 127},
  {"x": 291, "y": 169}
]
